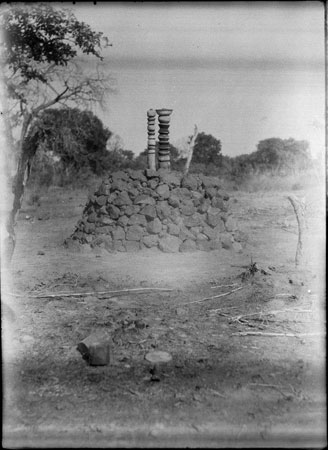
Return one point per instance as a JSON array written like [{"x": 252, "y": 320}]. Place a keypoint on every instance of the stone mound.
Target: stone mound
[{"x": 135, "y": 209}]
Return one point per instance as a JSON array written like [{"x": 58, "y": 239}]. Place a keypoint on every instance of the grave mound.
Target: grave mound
[{"x": 134, "y": 209}]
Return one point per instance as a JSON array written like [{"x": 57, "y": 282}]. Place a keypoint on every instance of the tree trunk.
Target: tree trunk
[
  {"x": 191, "y": 145},
  {"x": 299, "y": 209},
  {"x": 27, "y": 149}
]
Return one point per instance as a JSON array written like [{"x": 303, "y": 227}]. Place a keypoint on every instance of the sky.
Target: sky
[{"x": 241, "y": 71}]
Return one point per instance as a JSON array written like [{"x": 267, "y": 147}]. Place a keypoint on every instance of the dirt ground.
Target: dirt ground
[{"x": 247, "y": 368}]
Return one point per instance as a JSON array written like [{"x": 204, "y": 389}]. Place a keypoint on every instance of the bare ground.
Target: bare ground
[{"x": 247, "y": 369}]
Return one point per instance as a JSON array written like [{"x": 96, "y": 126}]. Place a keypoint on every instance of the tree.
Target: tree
[
  {"x": 79, "y": 138},
  {"x": 40, "y": 68},
  {"x": 207, "y": 150}
]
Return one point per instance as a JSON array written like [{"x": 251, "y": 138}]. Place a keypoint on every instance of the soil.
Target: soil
[{"x": 247, "y": 368}]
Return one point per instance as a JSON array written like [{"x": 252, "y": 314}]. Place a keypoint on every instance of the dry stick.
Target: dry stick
[
  {"x": 210, "y": 298},
  {"x": 268, "y": 313},
  {"x": 259, "y": 333},
  {"x": 299, "y": 208},
  {"x": 224, "y": 285},
  {"x": 81, "y": 294}
]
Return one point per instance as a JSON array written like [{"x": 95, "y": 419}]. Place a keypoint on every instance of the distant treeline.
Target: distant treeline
[{"x": 74, "y": 144}]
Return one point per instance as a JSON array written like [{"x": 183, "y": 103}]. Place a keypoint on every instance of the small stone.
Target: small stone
[{"x": 154, "y": 226}]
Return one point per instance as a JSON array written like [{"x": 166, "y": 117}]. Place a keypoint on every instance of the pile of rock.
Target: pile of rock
[{"x": 135, "y": 209}]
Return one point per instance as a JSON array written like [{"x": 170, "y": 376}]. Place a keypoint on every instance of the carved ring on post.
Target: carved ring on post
[
  {"x": 163, "y": 137},
  {"x": 151, "y": 116}
]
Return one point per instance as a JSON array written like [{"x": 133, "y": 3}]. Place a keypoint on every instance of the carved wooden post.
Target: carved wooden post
[
  {"x": 151, "y": 114},
  {"x": 163, "y": 137}
]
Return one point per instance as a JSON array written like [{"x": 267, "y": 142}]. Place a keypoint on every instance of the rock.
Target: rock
[
  {"x": 201, "y": 237},
  {"x": 173, "y": 229},
  {"x": 189, "y": 182},
  {"x": 194, "y": 220},
  {"x": 72, "y": 245},
  {"x": 187, "y": 210},
  {"x": 163, "y": 191},
  {"x": 113, "y": 211},
  {"x": 208, "y": 182},
  {"x": 203, "y": 245},
  {"x": 204, "y": 206},
  {"x": 150, "y": 240},
  {"x": 231, "y": 224},
  {"x": 101, "y": 200},
  {"x": 186, "y": 234},
  {"x": 92, "y": 217},
  {"x": 169, "y": 244},
  {"x": 120, "y": 175},
  {"x": 137, "y": 175},
  {"x": 89, "y": 227},
  {"x": 226, "y": 241},
  {"x": 173, "y": 201},
  {"x": 106, "y": 220},
  {"x": 143, "y": 199},
  {"x": 153, "y": 183},
  {"x": 210, "y": 192},
  {"x": 122, "y": 199},
  {"x": 134, "y": 233},
  {"x": 118, "y": 234},
  {"x": 123, "y": 221},
  {"x": 151, "y": 173},
  {"x": 213, "y": 217},
  {"x": 237, "y": 247},
  {"x": 217, "y": 202},
  {"x": 118, "y": 246},
  {"x": 209, "y": 232},
  {"x": 132, "y": 246},
  {"x": 215, "y": 244},
  {"x": 188, "y": 246},
  {"x": 149, "y": 212},
  {"x": 137, "y": 219},
  {"x": 163, "y": 210},
  {"x": 171, "y": 178},
  {"x": 154, "y": 226}
]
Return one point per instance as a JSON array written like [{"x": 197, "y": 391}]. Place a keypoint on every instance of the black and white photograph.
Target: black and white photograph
[{"x": 163, "y": 224}]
